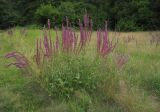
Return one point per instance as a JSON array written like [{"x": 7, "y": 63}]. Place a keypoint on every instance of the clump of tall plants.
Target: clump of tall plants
[{"x": 62, "y": 65}]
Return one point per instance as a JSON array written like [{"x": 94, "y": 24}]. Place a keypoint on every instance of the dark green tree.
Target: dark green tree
[{"x": 8, "y": 15}]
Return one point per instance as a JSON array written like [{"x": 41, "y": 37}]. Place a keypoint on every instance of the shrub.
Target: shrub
[
  {"x": 63, "y": 66},
  {"x": 45, "y": 12},
  {"x": 67, "y": 10},
  {"x": 127, "y": 25},
  {"x": 67, "y": 74}
]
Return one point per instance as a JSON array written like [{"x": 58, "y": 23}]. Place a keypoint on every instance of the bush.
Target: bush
[
  {"x": 67, "y": 74},
  {"x": 63, "y": 66},
  {"x": 45, "y": 12},
  {"x": 67, "y": 9},
  {"x": 127, "y": 25}
]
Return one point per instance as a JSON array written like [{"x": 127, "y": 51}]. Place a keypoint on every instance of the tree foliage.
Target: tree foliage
[{"x": 137, "y": 14}]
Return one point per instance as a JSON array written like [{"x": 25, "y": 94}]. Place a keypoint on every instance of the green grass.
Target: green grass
[{"x": 134, "y": 88}]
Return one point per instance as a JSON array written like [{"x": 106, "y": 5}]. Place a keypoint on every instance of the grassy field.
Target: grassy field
[{"x": 133, "y": 86}]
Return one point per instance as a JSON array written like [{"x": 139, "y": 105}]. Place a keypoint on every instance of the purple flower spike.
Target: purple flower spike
[
  {"x": 57, "y": 41},
  {"x": 46, "y": 44},
  {"x": 49, "y": 24},
  {"x": 20, "y": 60},
  {"x": 104, "y": 45}
]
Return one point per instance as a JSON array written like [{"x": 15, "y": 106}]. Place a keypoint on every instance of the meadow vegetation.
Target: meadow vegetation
[{"x": 79, "y": 71}]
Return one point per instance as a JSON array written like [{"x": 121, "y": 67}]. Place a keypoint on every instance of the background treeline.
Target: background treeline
[{"x": 126, "y": 15}]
